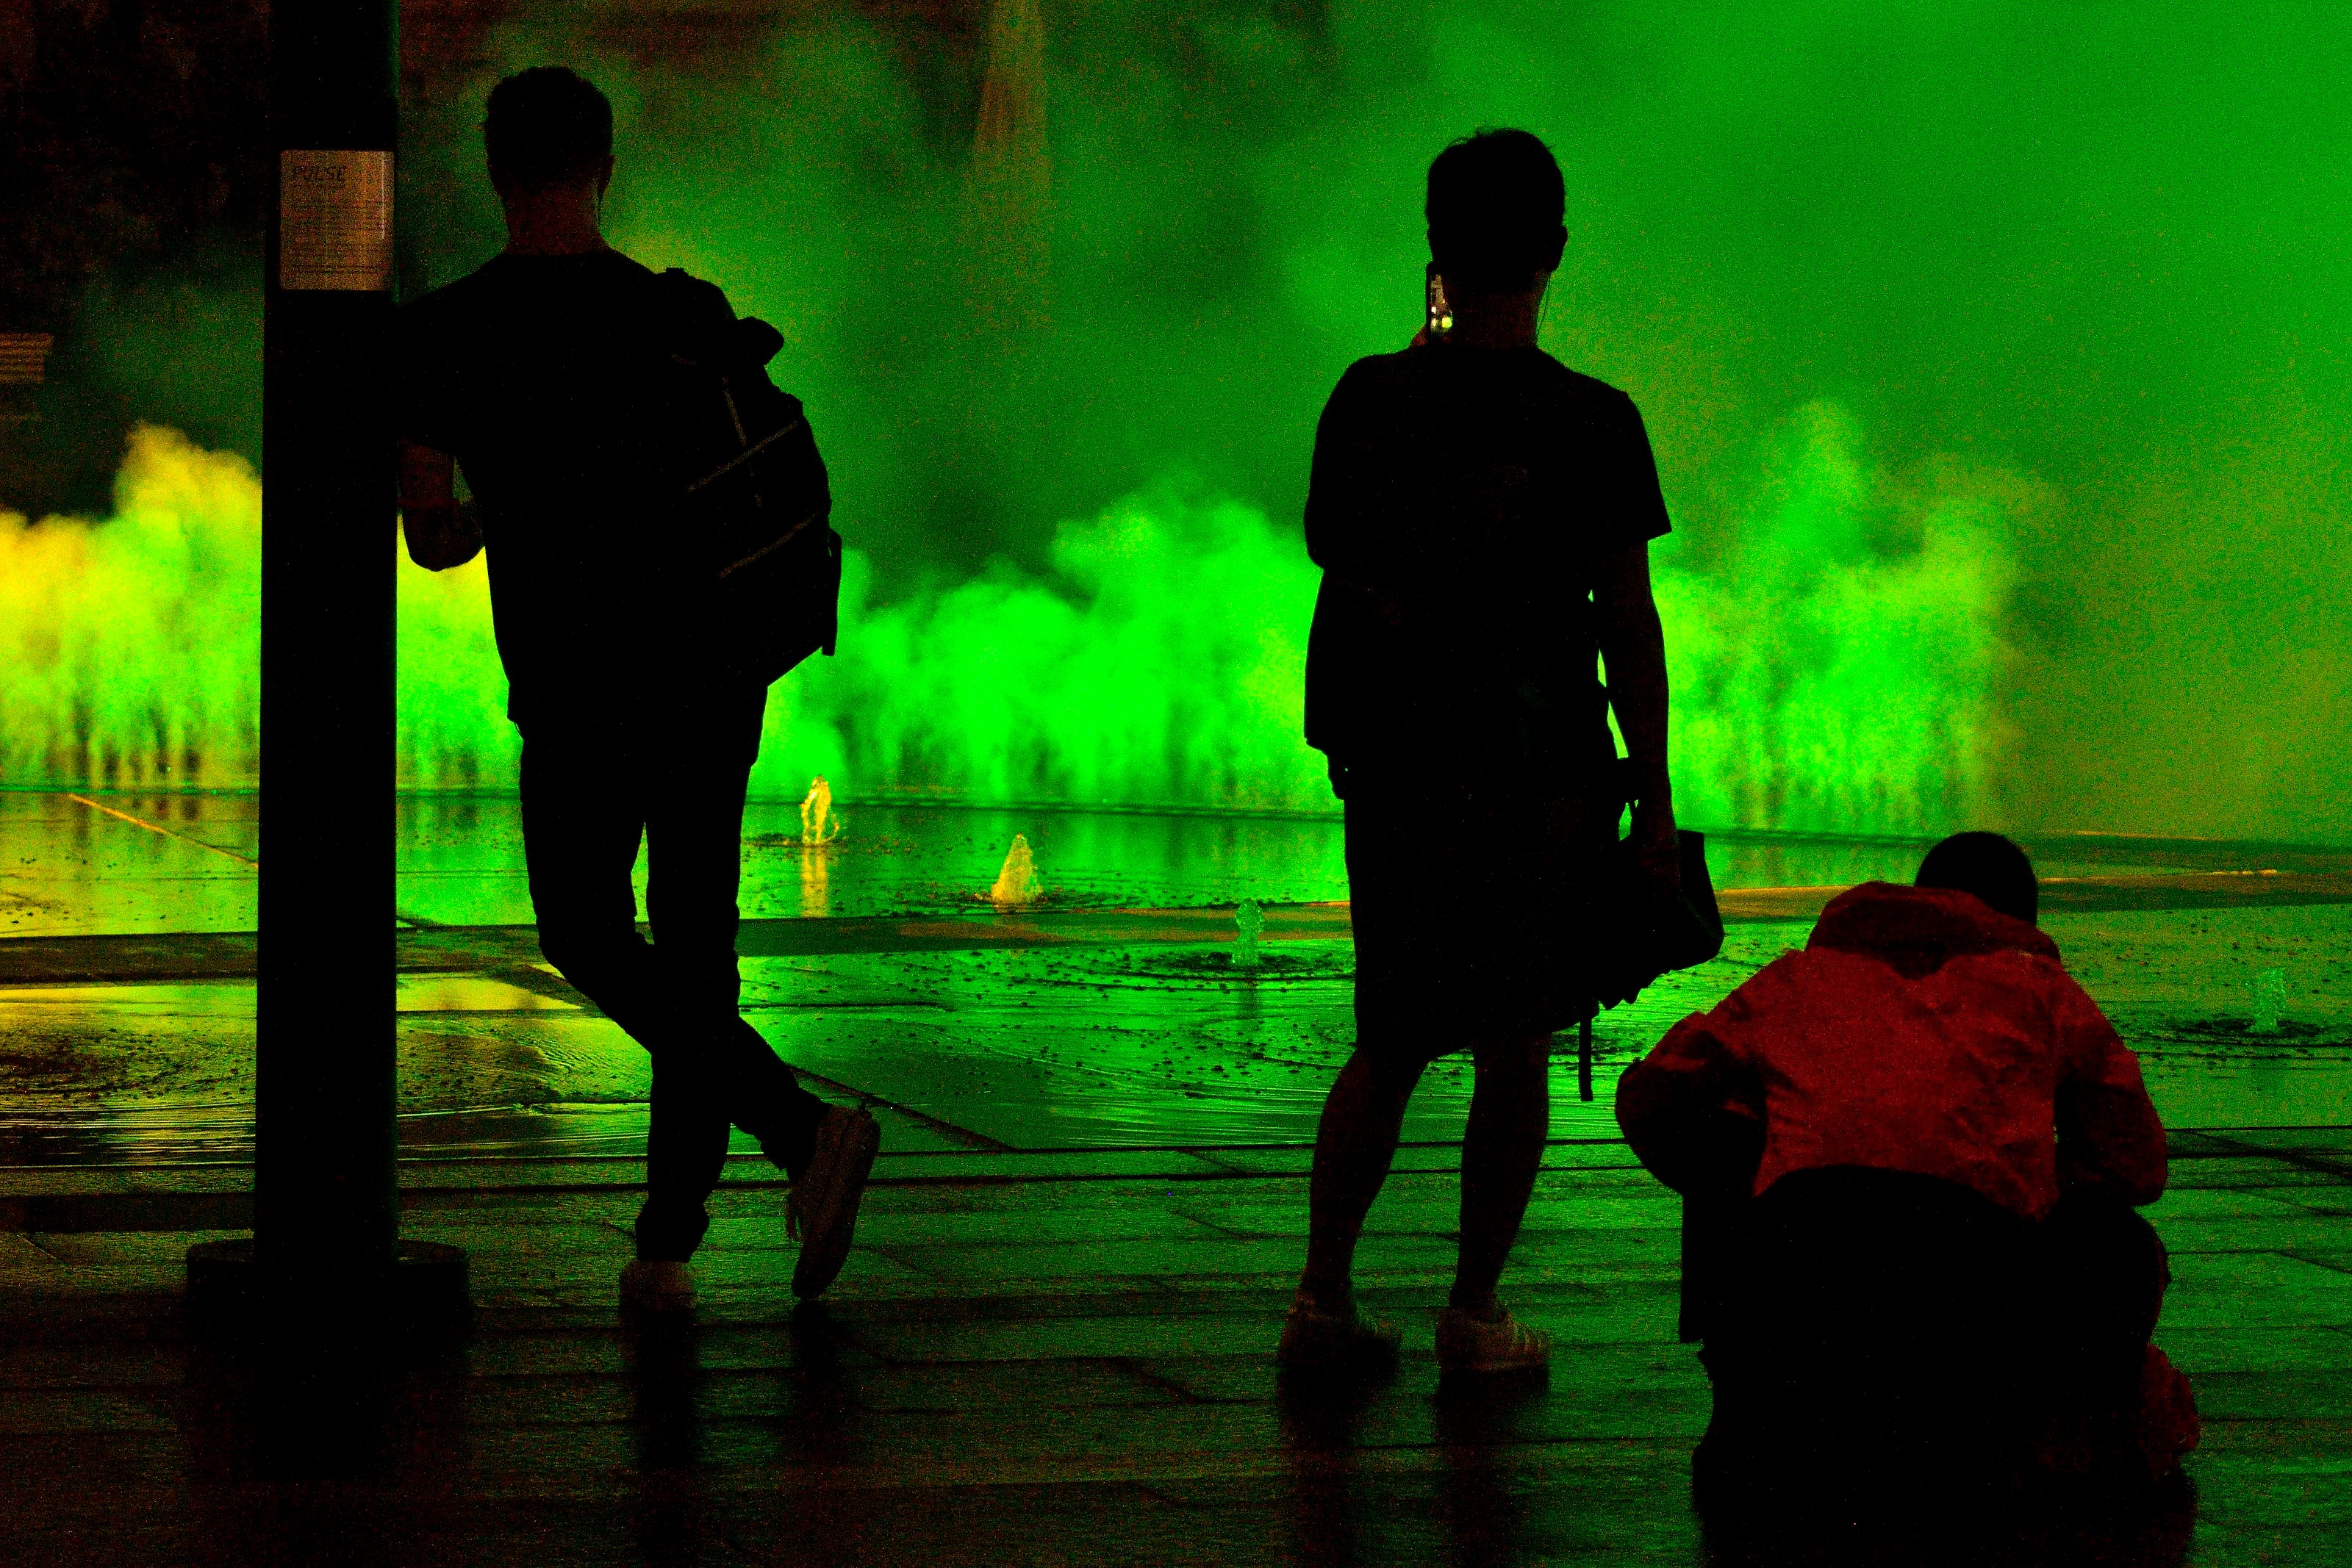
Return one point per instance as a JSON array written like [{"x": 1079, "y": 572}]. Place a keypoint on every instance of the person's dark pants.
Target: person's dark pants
[
  {"x": 590, "y": 791},
  {"x": 1876, "y": 1330}
]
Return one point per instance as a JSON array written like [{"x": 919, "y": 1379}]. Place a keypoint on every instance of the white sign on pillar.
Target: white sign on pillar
[{"x": 334, "y": 220}]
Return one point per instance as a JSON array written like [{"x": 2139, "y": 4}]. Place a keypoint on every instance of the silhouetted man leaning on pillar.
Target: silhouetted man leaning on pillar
[
  {"x": 542, "y": 374},
  {"x": 1482, "y": 515}
]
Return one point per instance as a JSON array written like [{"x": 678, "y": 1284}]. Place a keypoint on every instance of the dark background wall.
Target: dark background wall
[
  {"x": 134, "y": 184},
  {"x": 132, "y": 160}
]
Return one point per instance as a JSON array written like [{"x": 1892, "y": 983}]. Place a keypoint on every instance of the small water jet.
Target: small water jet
[
  {"x": 1019, "y": 881},
  {"x": 2270, "y": 1001},
  {"x": 819, "y": 824},
  {"x": 1249, "y": 924}
]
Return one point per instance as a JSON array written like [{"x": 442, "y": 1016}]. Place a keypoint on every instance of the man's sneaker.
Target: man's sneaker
[
  {"x": 1316, "y": 1341},
  {"x": 1468, "y": 1342},
  {"x": 823, "y": 1211},
  {"x": 656, "y": 1288}
]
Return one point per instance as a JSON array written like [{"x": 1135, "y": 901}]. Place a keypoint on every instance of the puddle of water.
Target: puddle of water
[
  {"x": 198, "y": 998},
  {"x": 473, "y": 994}
]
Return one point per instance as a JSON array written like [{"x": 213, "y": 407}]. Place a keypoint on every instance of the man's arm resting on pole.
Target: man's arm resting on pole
[
  {"x": 1633, "y": 647},
  {"x": 440, "y": 533}
]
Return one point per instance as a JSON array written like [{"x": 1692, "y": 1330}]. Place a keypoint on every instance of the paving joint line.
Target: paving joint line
[
  {"x": 152, "y": 828},
  {"x": 978, "y": 1142},
  {"x": 2318, "y": 1164},
  {"x": 2302, "y": 1255}
]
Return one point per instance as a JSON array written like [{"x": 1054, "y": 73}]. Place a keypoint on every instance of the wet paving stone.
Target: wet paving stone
[
  {"x": 1055, "y": 1341},
  {"x": 1002, "y": 1403}
]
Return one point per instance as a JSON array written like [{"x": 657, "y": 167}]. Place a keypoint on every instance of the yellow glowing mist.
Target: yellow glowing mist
[
  {"x": 1840, "y": 663},
  {"x": 131, "y": 648},
  {"x": 454, "y": 732}
]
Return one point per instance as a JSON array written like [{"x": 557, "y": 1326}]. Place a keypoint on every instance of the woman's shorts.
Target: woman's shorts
[{"x": 1471, "y": 913}]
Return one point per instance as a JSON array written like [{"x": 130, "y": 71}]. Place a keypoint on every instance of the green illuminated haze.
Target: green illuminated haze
[{"x": 1992, "y": 354}]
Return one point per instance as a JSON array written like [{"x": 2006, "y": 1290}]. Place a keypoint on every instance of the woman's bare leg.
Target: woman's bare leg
[
  {"x": 1510, "y": 1115},
  {"x": 1353, "y": 1146}
]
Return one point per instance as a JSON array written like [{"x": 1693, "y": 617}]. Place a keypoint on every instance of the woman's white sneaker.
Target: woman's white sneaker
[
  {"x": 1469, "y": 1343},
  {"x": 1316, "y": 1340}
]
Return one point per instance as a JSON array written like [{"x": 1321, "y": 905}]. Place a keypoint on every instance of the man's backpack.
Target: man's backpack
[{"x": 753, "y": 565}]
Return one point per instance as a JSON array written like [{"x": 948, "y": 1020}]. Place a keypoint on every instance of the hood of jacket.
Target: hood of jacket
[{"x": 1917, "y": 930}]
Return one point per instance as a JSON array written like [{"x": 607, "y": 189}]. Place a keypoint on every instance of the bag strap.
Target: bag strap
[
  {"x": 694, "y": 315},
  {"x": 746, "y": 455},
  {"x": 703, "y": 329},
  {"x": 774, "y": 545}
]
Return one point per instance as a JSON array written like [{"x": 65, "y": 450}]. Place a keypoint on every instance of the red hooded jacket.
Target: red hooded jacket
[{"x": 1919, "y": 1030}]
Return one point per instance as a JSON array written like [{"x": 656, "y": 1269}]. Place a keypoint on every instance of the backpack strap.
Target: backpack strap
[
  {"x": 703, "y": 327},
  {"x": 696, "y": 318}
]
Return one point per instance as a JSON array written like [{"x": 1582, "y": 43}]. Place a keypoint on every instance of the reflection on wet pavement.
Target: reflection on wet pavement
[
  {"x": 67, "y": 865},
  {"x": 1111, "y": 1016},
  {"x": 183, "y": 862},
  {"x": 473, "y": 994},
  {"x": 1068, "y": 1047}
]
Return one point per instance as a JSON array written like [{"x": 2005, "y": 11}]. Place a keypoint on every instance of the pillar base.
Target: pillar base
[{"x": 429, "y": 1293}]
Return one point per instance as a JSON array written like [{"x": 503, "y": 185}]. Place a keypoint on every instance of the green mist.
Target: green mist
[{"x": 1989, "y": 351}]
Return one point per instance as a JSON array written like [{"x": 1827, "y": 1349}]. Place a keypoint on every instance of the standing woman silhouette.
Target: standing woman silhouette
[{"x": 1482, "y": 515}]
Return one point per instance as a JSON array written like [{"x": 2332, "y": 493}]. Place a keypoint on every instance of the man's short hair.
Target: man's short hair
[
  {"x": 1989, "y": 866},
  {"x": 547, "y": 127},
  {"x": 1495, "y": 206}
]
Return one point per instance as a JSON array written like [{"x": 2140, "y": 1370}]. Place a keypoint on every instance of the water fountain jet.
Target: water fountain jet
[
  {"x": 1249, "y": 924},
  {"x": 2270, "y": 1001},
  {"x": 1019, "y": 883},
  {"x": 819, "y": 825}
]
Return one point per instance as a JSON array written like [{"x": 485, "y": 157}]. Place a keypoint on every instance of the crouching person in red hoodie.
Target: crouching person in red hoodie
[{"x": 1910, "y": 1156}]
